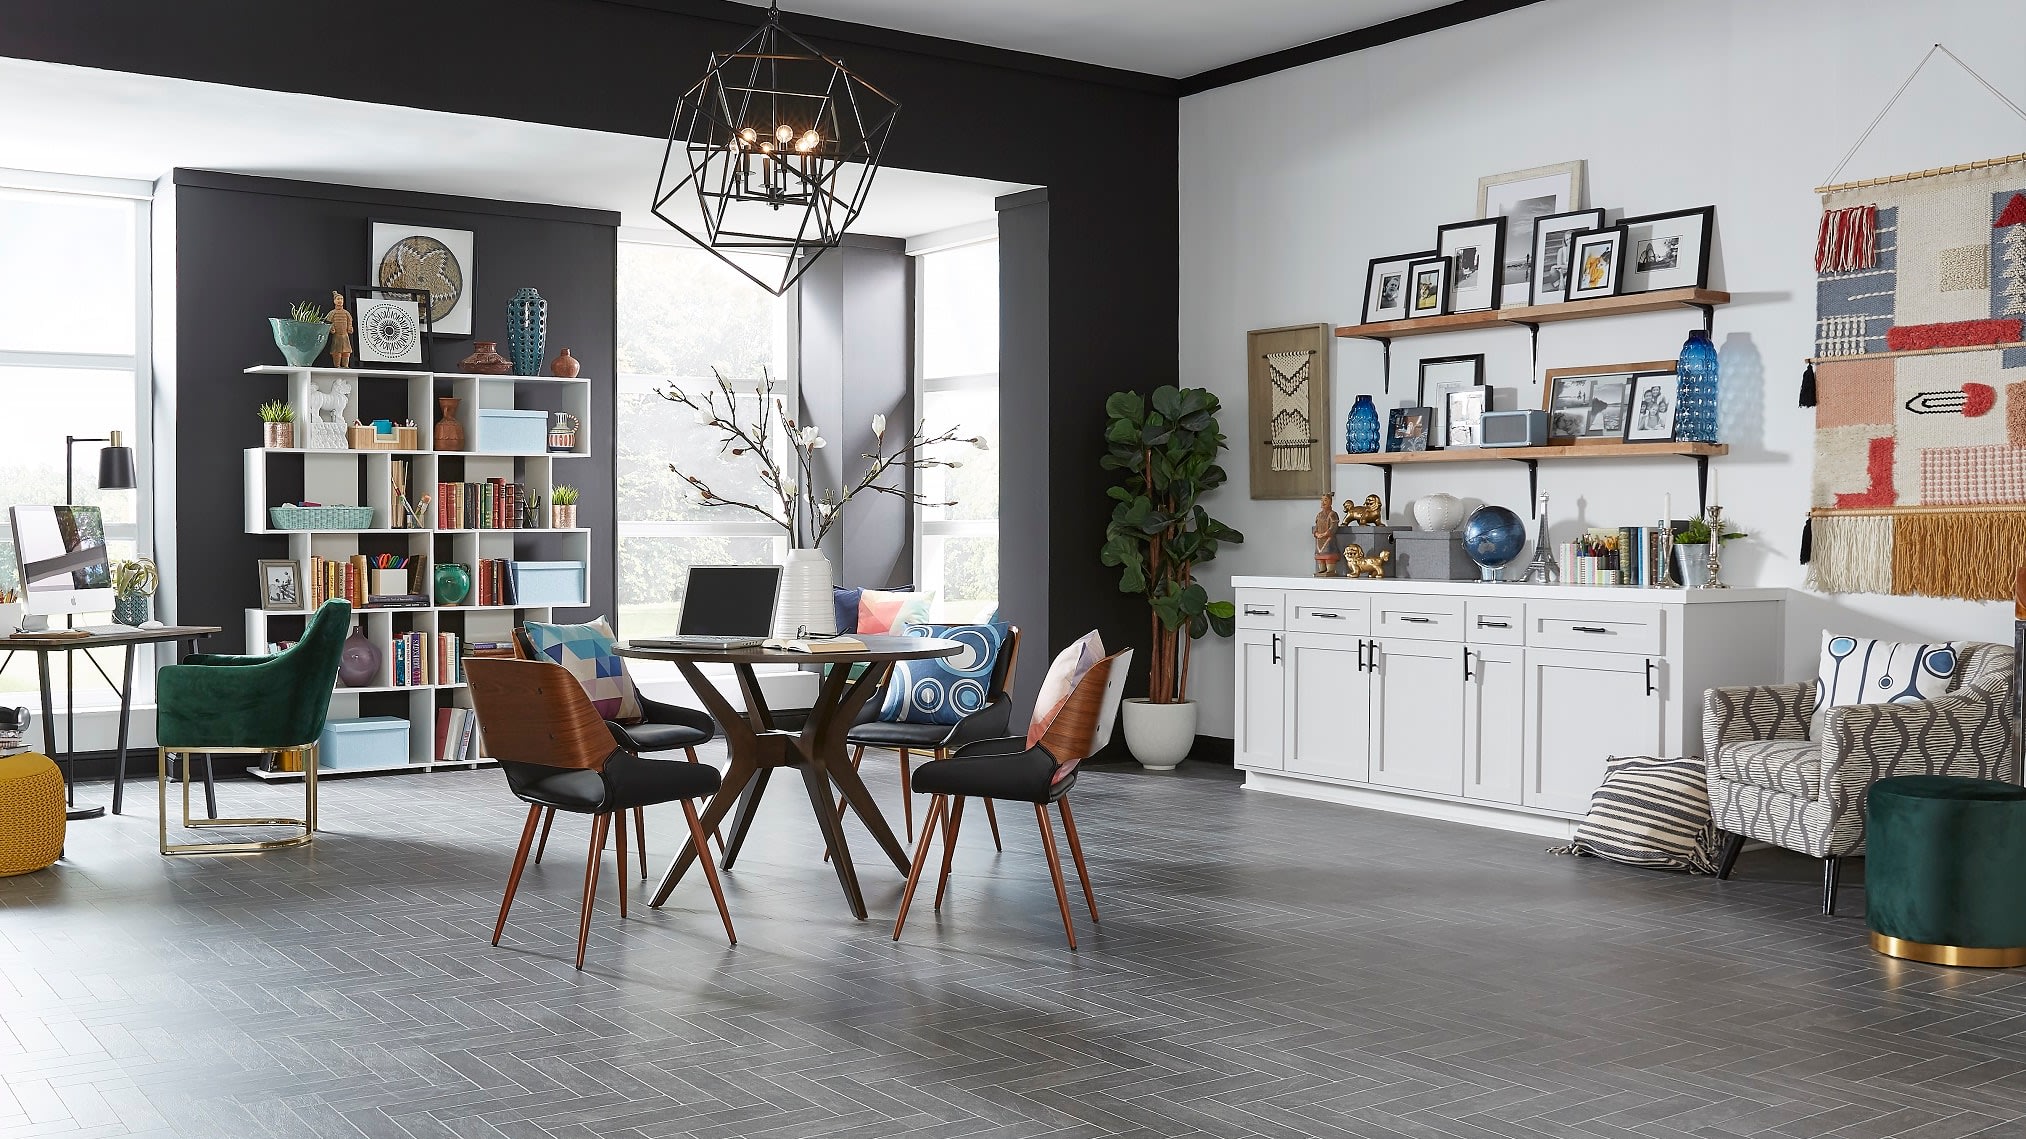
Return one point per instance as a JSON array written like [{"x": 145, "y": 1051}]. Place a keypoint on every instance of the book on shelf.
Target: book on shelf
[
  {"x": 453, "y": 734},
  {"x": 343, "y": 578},
  {"x": 496, "y": 584},
  {"x": 397, "y": 601},
  {"x": 816, "y": 644},
  {"x": 493, "y": 504}
]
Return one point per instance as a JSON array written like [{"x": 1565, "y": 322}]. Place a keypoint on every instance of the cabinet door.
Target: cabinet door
[
  {"x": 1494, "y": 723},
  {"x": 1583, "y": 708},
  {"x": 1328, "y": 697},
  {"x": 1260, "y": 722},
  {"x": 1417, "y": 715}
]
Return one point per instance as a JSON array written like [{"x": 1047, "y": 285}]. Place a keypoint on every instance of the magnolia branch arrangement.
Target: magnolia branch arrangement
[{"x": 790, "y": 477}]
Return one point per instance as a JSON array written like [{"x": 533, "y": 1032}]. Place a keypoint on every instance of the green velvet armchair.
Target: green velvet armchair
[{"x": 260, "y": 704}]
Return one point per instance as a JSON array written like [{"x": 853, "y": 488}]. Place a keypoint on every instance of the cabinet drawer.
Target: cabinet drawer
[
  {"x": 1597, "y": 628},
  {"x": 1317, "y": 611},
  {"x": 1418, "y": 618},
  {"x": 1261, "y": 609},
  {"x": 1502, "y": 622}
]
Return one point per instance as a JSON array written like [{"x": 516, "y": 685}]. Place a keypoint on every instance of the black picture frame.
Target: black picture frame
[
  {"x": 1551, "y": 267},
  {"x": 1652, "y": 405},
  {"x": 1581, "y": 249},
  {"x": 1463, "y": 423},
  {"x": 1452, "y": 373},
  {"x": 1415, "y": 293},
  {"x": 1407, "y": 428},
  {"x": 356, "y": 293},
  {"x": 1475, "y": 287},
  {"x": 1692, "y": 271},
  {"x": 1403, "y": 263}
]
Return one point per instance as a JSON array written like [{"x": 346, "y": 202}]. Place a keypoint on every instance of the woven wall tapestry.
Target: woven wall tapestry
[
  {"x": 1919, "y": 384},
  {"x": 1289, "y": 405}
]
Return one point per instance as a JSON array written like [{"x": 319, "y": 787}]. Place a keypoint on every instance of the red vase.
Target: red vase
[
  {"x": 564, "y": 366},
  {"x": 485, "y": 360},
  {"x": 449, "y": 432}
]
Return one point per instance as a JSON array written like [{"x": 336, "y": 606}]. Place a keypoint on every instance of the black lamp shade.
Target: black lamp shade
[{"x": 116, "y": 468}]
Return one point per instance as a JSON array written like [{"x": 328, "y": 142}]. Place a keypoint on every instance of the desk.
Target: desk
[
  {"x": 42, "y": 645},
  {"x": 758, "y": 748}
]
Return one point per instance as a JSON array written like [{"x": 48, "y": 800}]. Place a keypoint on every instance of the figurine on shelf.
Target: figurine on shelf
[
  {"x": 340, "y": 320},
  {"x": 1325, "y": 534},
  {"x": 1370, "y": 514},
  {"x": 325, "y": 416},
  {"x": 1357, "y": 564}
]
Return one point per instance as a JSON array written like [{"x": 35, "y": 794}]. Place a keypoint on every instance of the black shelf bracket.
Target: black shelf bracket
[
  {"x": 1533, "y": 344},
  {"x": 1533, "y": 477},
  {"x": 1701, "y": 484},
  {"x": 1386, "y": 485},
  {"x": 1385, "y": 368},
  {"x": 1708, "y": 318}
]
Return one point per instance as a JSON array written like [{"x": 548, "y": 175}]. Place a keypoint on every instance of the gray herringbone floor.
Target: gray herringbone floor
[{"x": 1266, "y": 967}]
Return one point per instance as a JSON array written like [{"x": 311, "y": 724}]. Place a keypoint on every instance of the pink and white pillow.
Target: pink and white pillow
[
  {"x": 1069, "y": 666},
  {"x": 882, "y": 611}
]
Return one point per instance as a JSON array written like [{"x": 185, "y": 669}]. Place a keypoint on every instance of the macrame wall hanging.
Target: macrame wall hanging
[
  {"x": 1289, "y": 405},
  {"x": 1918, "y": 380}
]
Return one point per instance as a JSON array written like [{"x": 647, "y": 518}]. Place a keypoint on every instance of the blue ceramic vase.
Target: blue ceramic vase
[
  {"x": 1695, "y": 417},
  {"x": 527, "y": 330},
  {"x": 1361, "y": 428},
  {"x": 300, "y": 341}
]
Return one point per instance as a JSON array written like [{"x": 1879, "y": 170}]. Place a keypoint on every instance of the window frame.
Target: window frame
[{"x": 924, "y": 385}]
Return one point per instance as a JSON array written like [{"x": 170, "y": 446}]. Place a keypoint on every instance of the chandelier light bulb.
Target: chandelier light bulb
[
  {"x": 749, "y": 136},
  {"x": 808, "y": 142},
  {"x": 783, "y": 133}
]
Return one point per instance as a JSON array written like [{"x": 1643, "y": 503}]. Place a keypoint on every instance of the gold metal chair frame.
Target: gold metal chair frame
[{"x": 308, "y": 822}]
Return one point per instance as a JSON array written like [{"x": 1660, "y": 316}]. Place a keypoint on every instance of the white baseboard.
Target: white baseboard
[{"x": 1446, "y": 810}]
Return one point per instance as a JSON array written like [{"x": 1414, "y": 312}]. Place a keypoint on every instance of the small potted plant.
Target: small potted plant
[
  {"x": 134, "y": 582},
  {"x": 563, "y": 508},
  {"x": 301, "y": 335},
  {"x": 1691, "y": 552},
  {"x": 277, "y": 424}
]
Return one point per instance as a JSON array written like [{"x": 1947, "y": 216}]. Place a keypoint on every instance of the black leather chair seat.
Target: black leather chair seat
[
  {"x": 651, "y": 736},
  {"x": 879, "y": 733},
  {"x": 1023, "y": 776},
  {"x": 627, "y": 782}
]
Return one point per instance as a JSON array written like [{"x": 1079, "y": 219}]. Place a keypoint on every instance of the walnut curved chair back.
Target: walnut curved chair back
[
  {"x": 536, "y": 712},
  {"x": 1003, "y": 669},
  {"x": 1084, "y": 724}
]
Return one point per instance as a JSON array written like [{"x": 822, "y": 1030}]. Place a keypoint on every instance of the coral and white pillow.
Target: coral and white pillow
[
  {"x": 1859, "y": 670},
  {"x": 1068, "y": 667},
  {"x": 884, "y": 611}
]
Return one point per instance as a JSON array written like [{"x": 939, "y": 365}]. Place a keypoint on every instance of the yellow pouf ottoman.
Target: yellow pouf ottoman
[{"x": 31, "y": 813}]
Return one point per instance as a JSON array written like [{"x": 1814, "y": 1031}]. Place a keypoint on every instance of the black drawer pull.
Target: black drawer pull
[
  {"x": 1328, "y": 616},
  {"x": 1250, "y": 612},
  {"x": 1589, "y": 629},
  {"x": 1419, "y": 620},
  {"x": 1483, "y": 623}
]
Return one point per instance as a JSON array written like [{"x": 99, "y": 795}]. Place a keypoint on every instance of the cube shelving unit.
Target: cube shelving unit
[{"x": 363, "y": 477}]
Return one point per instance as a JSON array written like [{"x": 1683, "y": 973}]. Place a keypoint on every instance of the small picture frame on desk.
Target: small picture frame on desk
[
  {"x": 1441, "y": 375},
  {"x": 1386, "y": 286},
  {"x": 1466, "y": 417},
  {"x": 1407, "y": 428},
  {"x": 1668, "y": 251},
  {"x": 280, "y": 586},
  {"x": 1551, "y": 252},
  {"x": 1651, "y": 406},
  {"x": 1428, "y": 287},
  {"x": 1596, "y": 263},
  {"x": 1473, "y": 249}
]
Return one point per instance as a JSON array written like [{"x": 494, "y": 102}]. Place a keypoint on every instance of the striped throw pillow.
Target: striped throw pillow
[{"x": 1650, "y": 812}]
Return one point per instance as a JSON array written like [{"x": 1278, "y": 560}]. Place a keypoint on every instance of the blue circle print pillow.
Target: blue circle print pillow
[{"x": 947, "y": 689}]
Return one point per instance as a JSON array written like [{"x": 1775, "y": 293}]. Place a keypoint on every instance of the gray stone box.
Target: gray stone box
[{"x": 1432, "y": 555}]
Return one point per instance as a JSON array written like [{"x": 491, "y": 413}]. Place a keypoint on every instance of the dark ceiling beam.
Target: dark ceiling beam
[{"x": 1434, "y": 19}]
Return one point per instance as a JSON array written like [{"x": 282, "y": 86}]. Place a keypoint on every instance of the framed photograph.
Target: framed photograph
[
  {"x": 392, "y": 325},
  {"x": 1428, "y": 287},
  {"x": 1649, "y": 408},
  {"x": 1596, "y": 262},
  {"x": 1668, "y": 251},
  {"x": 1465, "y": 417},
  {"x": 1588, "y": 404},
  {"x": 1473, "y": 249},
  {"x": 1386, "y": 286},
  {"x": 1522, "y": 198},
  {"x": 1551, "y": 252},
  {"x": 435, "y": 261},
  {"x": 1441, "y": 375},
  {"x": 280, "y": 586},
  {"x": 1407, "y": 428}
]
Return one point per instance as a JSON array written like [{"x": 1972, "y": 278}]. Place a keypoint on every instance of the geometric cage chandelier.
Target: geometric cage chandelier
[{"x": 772, "y": 152}]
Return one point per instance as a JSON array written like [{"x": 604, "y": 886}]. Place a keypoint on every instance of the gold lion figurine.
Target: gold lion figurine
[
  {"x": 1370, "y": 514},
  {"x": 1358, "y": 564}
]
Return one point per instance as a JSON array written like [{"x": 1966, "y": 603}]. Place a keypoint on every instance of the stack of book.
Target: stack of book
[
  {"x": 449, "y": 665},
  {"x": 411, "y": 660},
  {"x": 494, "y": 504},
  {"x": 496, "y": 582},
  {"x": 489, "y": 649},
  {"x": 338, "y": 577},
  {"x": 456, "y": 729},
  {"x": 1628, "y": 555}
]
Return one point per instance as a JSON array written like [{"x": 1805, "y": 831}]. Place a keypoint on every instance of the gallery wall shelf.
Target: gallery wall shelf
[
  {"x": 1700, "y": 453},
  {"x": 1530, "y": 316}
]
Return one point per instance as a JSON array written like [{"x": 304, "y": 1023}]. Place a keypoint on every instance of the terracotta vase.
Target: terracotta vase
[
  {"x": 485, "y": 360},
  {"x": 449, "y": 432},
  {"x": 564, "y": 366}
]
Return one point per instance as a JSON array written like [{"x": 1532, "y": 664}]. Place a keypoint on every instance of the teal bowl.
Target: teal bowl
[{"x": 300, "y": 341}]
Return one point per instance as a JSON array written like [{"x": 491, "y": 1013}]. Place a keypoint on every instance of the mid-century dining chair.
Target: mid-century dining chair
[
  {"x": 558, "y": 755},
  {"x": 1009, "y": 769}
]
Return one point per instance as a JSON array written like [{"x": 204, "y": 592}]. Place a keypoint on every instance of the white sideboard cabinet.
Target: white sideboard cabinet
[{"x": 1495, "y": 704}]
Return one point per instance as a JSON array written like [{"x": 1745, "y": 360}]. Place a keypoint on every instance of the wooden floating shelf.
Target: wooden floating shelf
[
  {"x": 1523, "y": 454},
  {"x": 1532, "y": 315}
]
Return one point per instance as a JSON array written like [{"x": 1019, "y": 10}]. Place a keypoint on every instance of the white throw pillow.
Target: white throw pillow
[
  {"x": 1069, "y": 666},
  {"x": 1859, "y": 670}
]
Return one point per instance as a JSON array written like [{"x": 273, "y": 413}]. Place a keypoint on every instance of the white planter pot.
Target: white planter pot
[
  {"x": 1159, "y": 735},
  {"x": 806, "y": 601}
]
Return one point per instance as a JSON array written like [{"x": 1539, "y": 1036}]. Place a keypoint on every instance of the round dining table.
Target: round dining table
[{"x": 758, "y": 748}]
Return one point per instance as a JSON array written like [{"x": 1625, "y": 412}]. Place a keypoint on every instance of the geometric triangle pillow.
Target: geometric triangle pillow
[{"x": 589, "y": 653}]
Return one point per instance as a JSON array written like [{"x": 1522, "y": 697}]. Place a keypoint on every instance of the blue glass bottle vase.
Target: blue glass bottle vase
[
  {"x": 1695, "y": 419},
  {"x": 1361, "y": 427},
  {"x": 527, "y": 330}
]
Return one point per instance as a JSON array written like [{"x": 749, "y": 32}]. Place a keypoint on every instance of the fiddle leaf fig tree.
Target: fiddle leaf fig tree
[{"x": 1165, "y": 447}]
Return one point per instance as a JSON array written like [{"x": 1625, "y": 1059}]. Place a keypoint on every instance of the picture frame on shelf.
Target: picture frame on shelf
[
  {"x": 432, "y": 259},
  {"x": 393, "y": 326},
  {"x": 1523, "y": 197},
  {"x": 1465, "y": 417},
  {"x": 1428, "y": 287},
  {"x": 1386, "y": 286},
  {"x": 1596, "y": 262},
  {"x": 1650, "y": 407},
  {"x": 280, "y": 586},
  {"x": 1587, "y": 405},
  {"x": 1668, "y": 251},
  {"x": 1473, "y": 249},
  {"x": 1551, "y": 265},
  {"x": 1407, "y": 428},
  {"x": 1441, "y": 375}
]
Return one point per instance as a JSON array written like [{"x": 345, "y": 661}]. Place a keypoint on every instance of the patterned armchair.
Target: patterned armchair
[{"x": 1769, "y": 781}]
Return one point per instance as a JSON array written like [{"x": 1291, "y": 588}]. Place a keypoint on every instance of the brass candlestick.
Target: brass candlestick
[
  {"x": 1716, "y": 549},
  {"x": 1665, "y": 539}
]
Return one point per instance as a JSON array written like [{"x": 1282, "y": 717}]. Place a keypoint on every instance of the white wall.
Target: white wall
[{"x": 1292, "y": 182}]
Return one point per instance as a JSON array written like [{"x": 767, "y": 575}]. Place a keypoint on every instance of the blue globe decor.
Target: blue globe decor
[
  {"x": 527, "y": 329},
  {"x": 1494, "y": 537}
]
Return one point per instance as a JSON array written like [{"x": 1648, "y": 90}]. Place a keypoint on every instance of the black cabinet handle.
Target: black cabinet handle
[
  {"x": 1589, "y": 629},
  {"x": 1362, "y": 646},
  {"x": 1276, "y": 648},
  {"x": 1467, "y": 674},
  {"x": 1649, "y": 676},
  {"x": 1251, "y": 612},
  {"x": 1484, "y": 623},
  {"x": 1418, "y": 620},
  {"x": 1327, "y": 616},
  {"x": 1374, "y": 659}
]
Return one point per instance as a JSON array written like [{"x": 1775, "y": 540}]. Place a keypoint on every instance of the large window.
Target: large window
[
  {"x": 957, "y": 385},
  {"x": 73, "y": 339}
]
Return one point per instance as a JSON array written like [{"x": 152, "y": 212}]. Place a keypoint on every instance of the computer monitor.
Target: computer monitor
[
  {"x": 60, "y": 553},
  {"x": 730, "y": 601}
]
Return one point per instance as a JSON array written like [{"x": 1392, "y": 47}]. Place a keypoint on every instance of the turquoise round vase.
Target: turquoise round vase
[
  {"x": 527, "y": 331},
  {"x": 1361, "y": 428},
  {"x": 300, "y": 341},
  {"x": 453, "y": 583},
  {"x": 130, "y": 609}
]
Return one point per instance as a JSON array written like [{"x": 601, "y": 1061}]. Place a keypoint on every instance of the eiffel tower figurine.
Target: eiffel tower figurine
[{"x": 1542, "y": 570}]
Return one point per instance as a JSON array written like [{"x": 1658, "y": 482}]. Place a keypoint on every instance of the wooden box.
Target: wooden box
[{"x": 363, "y": 438}]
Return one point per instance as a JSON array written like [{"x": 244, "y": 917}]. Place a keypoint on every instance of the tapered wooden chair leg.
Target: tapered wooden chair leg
[
  {"x": 599, "y": 823},
  {"x": 710, "y": 869},
  {"x": 992, "y": 817},
  {"x": 907, "y": 801},
  {"x": 937, "y": 805},
  {"x": 619, "y": 877},
  {"x": 639, "y": 833},
  {"x": 548, "y": 820},
  {"x": 1076, "y": 852},
  {"x": 520, "y": 864},
  {"x": 954, "y": 820},
  {"x": 1055, "y": 870}
]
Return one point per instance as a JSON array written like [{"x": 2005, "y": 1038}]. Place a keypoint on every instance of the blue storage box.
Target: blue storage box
[
  {"x": 504, "y": 431},
  {"x": 374, "y": 741},
  {"x": 549, "y": 583}
]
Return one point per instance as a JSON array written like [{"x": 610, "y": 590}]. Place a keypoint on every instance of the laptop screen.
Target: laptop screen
[{"x": 730, "y": 601}]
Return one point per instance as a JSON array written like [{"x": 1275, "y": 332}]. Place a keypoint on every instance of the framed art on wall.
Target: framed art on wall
[
  {"x": 1441, "y": 375},
  {"x": 1650, "y": 407},
  {"x": 1587, "y": 404},
  {"x": 1428, "y": 287},
  {"x": 392, "y": 324},
  {"x": 1668, "y": 251},
  {"x": 1523, "y": 197},
  {"x": 1473, "y": 251},
  {"x": 280, "y": 586},
  {"x": 1465, "y": 417},
  {"x": 1551, "y": 252},
  {"x": 1386, "y": 286},
  {"x": 1288, "y": 408},
  {"x": 1596, "y": 261},
  {"x": 436, "y": 261}
]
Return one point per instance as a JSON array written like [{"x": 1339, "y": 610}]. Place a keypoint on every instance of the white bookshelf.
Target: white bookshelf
[{"x": 276, "y": 476}]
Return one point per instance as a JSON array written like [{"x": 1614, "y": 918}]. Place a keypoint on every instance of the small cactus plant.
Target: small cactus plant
[
  {"x": 303, "y": 312},
  {"x": 277, "y": 411},
  {"x": 563, "y": 496}
]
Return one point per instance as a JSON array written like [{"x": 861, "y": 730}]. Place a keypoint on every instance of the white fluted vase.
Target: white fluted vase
[{"x": 806, "y": 600}]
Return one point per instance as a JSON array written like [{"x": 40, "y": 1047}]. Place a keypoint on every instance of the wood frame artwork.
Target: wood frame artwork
[
  {"x": 1295, "y": 481},
  {"x": 1598, "y": 394}
]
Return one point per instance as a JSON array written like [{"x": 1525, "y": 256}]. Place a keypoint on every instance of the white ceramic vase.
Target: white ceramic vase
[
  {"x": 1158, "y": 735},
  {"x": 806, "y": 601},
  {"x": 1438, "y": 512}
]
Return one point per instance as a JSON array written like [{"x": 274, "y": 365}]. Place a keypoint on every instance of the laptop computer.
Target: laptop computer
[{"x": 724, "y": 607}]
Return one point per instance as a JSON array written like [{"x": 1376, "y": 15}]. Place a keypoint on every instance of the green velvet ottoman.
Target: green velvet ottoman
[{"x": 1945, "y": 870}]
